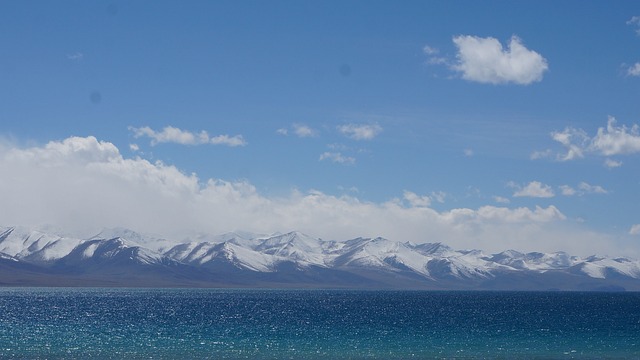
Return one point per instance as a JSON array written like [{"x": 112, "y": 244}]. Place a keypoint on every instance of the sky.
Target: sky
[{"x": 488, "y": 125}]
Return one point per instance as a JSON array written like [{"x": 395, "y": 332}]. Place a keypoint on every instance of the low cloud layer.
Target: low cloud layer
[
  {"x": 485, "y": 60},
  {"x": 83, "y": 184}
]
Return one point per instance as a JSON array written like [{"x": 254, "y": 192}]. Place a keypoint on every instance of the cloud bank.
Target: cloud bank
[
  {"x": 83, "y": 184},
  {"x": 484, "y": 60}
]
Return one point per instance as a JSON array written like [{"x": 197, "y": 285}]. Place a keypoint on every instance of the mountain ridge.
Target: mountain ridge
[{"x": 123, "y": 257}]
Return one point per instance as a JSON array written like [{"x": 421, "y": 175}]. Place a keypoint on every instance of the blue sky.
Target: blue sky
[{"x": 480, "y": 124}]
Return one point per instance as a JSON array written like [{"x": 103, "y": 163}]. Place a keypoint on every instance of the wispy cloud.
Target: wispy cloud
[
  {"x": 360, "y": 131},
  {"x": 533, "y": 189},
  {"x": 77, "y": 56},
  {"x": 433, "y": 56},
  {"x": 635, "y": 229},
  {"x": 501, "y": 200},
  {"x": 337, "y": 157},
  {"x": 484, "y": 60},
  {"x": 583, "y": 188},
  {"x": 299, "y": 130},
  {"x": 609, "y": 163},
  {"x": 236, "y": 140},
  {"x": 175, "y": 135},
  {"x": 635, "y": 20}
]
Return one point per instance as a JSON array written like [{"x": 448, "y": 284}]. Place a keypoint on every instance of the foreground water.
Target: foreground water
[{"x": 308, "y": 324}]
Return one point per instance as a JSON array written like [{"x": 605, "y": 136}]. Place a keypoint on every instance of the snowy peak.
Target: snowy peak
[
  {"x": 297, "y": 257},
  {"x": 152, "y": 242},
  {"x": 34, "y": 246},
  {"x": 535, "y": 260},
  {"x": 294, "y": 246}
]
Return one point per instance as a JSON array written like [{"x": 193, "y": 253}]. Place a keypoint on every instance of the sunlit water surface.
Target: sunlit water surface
[{"x": 307, "y": 324}]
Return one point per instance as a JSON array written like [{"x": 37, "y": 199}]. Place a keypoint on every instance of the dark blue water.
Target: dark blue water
[{"x": 310, "y": 324}]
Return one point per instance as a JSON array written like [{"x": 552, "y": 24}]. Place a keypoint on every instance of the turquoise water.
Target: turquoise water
[{"x": 315, "y": 324}]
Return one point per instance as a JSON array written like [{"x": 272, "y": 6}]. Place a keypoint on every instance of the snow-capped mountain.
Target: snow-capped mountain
[{"x": 122, "y": 257}]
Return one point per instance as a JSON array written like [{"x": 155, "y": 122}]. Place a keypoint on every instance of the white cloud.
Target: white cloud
[
  {"x": 82, "y": 184},
  {"x": 634, "y": 70},
  {"x": 303, "y": 130},
  {"x": 300, "y": 130},
  {"x": 609, "y": 141},
  {"x": 612, "y": 163},
  {"x": 616, "y": 140},
  {"x": 591, "y": 189},
  {"x": 337, "y": 157},
  {"x": 582, "y": 189},
  {"x": 360, "y": 131},
  {"x": 635, "y": 230},
  {"x": 438, "y": 196},
  {"x": 432, "y": 56},
  {"x": 501, "y": 200},
  {"x": 485, "y": 60},
  {"x": 416, "y": 200},
  {"x": 172, "y": 134},
  {"x": 541, "y": 154},
  {"x": 134, "y": 147},
  {"x": 574, "y": 140},
  {"x": 533, "y": 189},
  {"x": 232, "y": 141},
  {"x": 468, "y": 152},
  {"x": 429, "y": 50},
  {"x": 567, "y": 190}
]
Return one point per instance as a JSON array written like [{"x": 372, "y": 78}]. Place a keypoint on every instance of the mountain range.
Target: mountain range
[{"x": 122, "y": 257}]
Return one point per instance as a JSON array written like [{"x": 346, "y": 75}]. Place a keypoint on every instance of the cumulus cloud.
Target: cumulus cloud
[
  {"x": 360, "y": 131},
  {"x": 611, "y": 140},
  {"x": 337, "y": 157},
  {"x": 485, "y": 60},
  {"x": 83, "y": 184},
  {"x": 175, "y": 135},
  {"x": 532, "y": 189},
  {"x": 616, "y": 140}
]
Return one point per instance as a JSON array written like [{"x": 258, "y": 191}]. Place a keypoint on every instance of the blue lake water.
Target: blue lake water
[{"x": 315, "y": 324}]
